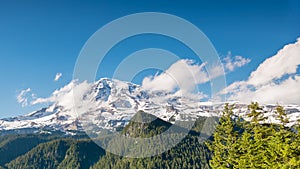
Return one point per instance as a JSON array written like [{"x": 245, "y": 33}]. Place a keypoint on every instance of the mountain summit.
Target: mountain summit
[{"x": 110, "y": 103}]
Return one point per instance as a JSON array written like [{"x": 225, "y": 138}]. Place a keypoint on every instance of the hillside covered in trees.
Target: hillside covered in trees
[{"x": 236, "y": 143}]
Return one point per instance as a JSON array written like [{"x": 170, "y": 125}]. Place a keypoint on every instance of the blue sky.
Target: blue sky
[{"x": 41, "y": 38}]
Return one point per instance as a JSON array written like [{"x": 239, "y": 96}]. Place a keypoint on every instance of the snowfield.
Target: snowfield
[{"x": 110, "y": 103}]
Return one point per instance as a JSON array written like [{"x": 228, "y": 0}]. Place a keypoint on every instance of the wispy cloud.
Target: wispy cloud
[
  {"x": 57, "y": 76},
  {"x": 274, "y": 81},
  {"x": 22, "y": 97},
  {"x": 231, "y": 63}
]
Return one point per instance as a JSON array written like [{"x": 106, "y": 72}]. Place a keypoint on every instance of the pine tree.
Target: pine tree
[
  {"x": 257, "y": 144},
  {"x": 224, "y": 141},
  {"x": 285, "y": 144},
  {"x": 261, "y": 134}
]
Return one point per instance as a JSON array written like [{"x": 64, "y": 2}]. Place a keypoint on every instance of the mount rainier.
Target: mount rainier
[{"x": 111, "y": 103}]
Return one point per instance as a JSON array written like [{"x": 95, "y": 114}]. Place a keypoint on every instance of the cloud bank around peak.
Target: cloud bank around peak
[
  {"x": 183, "y": 74},
  {"x": 276, "y": 80},
  {"x": 66, "y": 96}
]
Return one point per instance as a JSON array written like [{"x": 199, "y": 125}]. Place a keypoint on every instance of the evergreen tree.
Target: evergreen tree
[
  {"x": 284, "y": 145},
  {"x": 224, "y": 141},
  {"x": 258, "y": 144}
]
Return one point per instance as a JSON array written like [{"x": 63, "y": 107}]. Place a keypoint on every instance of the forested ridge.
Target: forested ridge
[{"x": 236, "y": 143}]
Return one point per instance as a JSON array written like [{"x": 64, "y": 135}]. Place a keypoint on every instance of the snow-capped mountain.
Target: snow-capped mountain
[{"x": 110, "y": 103}]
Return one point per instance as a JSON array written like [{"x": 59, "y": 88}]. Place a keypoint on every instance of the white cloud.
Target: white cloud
[
  {"x": 183, "y": 75},
  {"x": 67, "y": 96},
  {"x": 57, "y": 76},
  {"x": 232, "y": 63},
  {"x": 285, "y": 62},
  {"x": 74, "y": 97},
  {"x": 22, "y": 97},
  {"x": 274, "y": 81},
  {"x": 286, "y": 92}
]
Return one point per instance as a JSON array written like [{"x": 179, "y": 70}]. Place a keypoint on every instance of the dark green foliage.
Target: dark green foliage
[
  {"x": 189, "y": 153},
  {"x": 13, "y": 146},
  {"x": 61, "y": 153},
  {"x": 81, "y": 154},
  {"x": 46, "y": 155}
]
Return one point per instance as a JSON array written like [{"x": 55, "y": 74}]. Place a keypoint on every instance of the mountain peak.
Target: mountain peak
[{"x": 114, "y": 103}]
